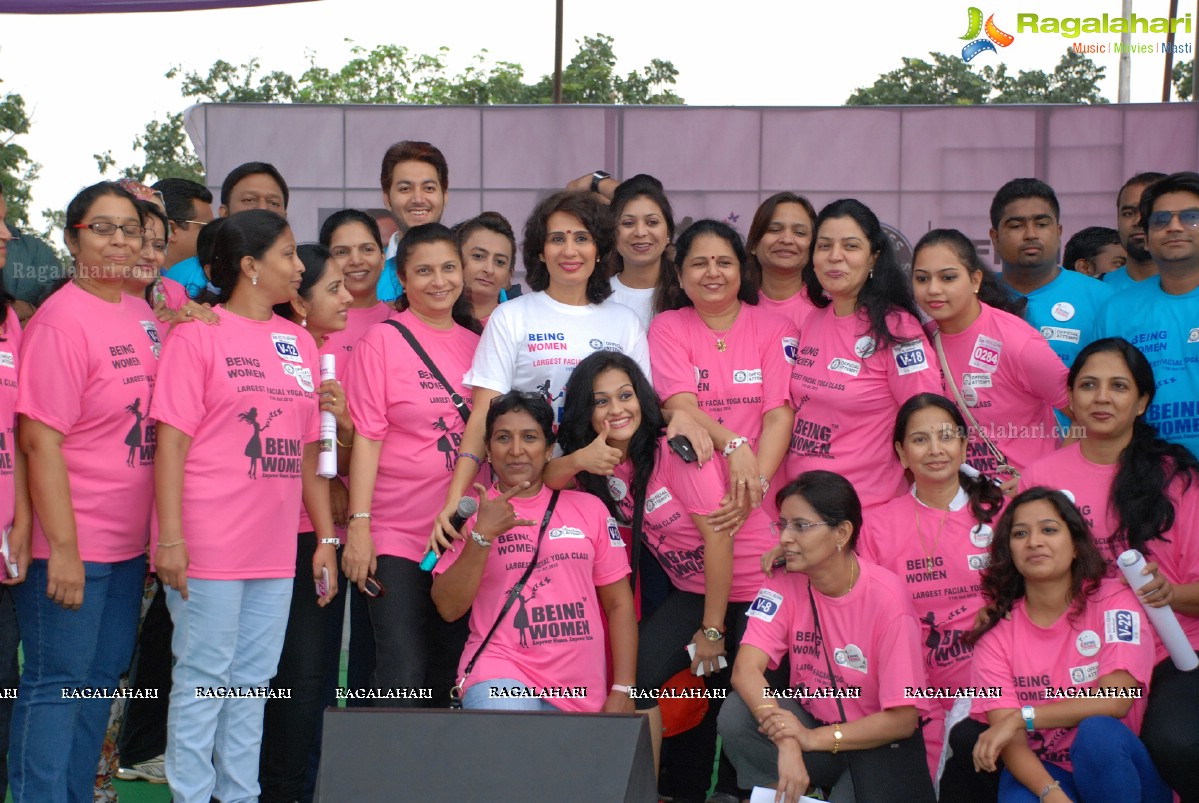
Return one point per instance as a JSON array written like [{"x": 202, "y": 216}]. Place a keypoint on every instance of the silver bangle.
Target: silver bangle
[
  {"x": 1049, "y": 788},
  {"x": 360, "y": 515},
  {"x": 336, "y": 541},
  {"x": 479, "y": 539}
]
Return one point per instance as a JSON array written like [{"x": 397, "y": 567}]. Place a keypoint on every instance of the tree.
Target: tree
[
  {"x": 392, "y": 74},
  {"x": 951, "y": 81},
  {"x": 1183, "y": 77},
  {"x": 17, "y": 170}
]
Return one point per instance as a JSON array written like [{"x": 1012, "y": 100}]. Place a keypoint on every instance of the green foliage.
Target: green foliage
[
  {"x": 1183, "y": 78},
  {"x": 950, "y": 81},
  {"x": 17, "y": 170}
]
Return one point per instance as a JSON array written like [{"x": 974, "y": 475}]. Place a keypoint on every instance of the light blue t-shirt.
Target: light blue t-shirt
[
  {"x": 1119, "y": 279},
  {"x": 1166, "y": 329},
  {"x": 1064, "y": 311},
  {"x": 190, "y": 274},
  {"x": 389, "y": 288}
]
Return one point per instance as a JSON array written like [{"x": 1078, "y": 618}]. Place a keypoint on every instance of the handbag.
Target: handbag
[
  {"x": 456, "y": 692},
  {"x": 455, "y": 397}
]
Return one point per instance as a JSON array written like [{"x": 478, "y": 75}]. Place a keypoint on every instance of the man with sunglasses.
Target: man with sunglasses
[
  {"x": 189, "y": 207},
  {"x": 1160, "y": 315},
  {"x": 1132, "y": 234}
]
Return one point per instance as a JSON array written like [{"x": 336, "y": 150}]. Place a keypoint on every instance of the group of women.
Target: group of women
[{"x": 820, "y": 479}]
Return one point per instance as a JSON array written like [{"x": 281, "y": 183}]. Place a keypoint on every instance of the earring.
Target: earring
[
  {"x": 838, "y": 547},
  {"x": 254, "y": 280},
  {"x": 304, "y": 322},
  {"x": 871, "y": 276}
]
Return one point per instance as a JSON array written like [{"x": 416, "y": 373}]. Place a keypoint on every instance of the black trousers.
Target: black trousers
[
  {"x": 1171, "y": 728},
  {"x": 960, "y": 783},
  {"x": 143, "y": 733}
]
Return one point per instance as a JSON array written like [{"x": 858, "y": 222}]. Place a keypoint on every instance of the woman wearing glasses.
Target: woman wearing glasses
[
  {"x": 536, "y": 636},
  {"x": 226, "y": 542},
  {"x": 852, "y": 638},
  {"x": 88, "y": 364}
]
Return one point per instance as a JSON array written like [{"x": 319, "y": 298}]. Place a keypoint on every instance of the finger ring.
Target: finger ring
[
  {"x": 187, "y": 312},
  {"x": 740, "y": 482}
]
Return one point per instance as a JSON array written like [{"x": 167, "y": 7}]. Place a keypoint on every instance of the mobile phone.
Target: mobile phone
[
  {"x": 10, "y": 568},
  {"x": 373, "y": 587},
  {"x": 778, "y": 563},
  {"x": 683, "y": 448},
  {"x": 322, "y": 585}
]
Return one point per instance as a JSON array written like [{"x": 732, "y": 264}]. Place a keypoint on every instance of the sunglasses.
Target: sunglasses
[
  {"x": 141, "y": 192},
  {"x": 1160, "y": 219}
]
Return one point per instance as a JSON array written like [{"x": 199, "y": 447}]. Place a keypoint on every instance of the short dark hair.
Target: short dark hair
[
  {"x": 1087, "y": 244},
  {"x": 486, "y": 221},
  {"x": 81, "y": 204},
  {"x": 532, "y": 403},
  {"x": 1184, "y": 181},
  {"x": 1018, "y": 189},
  {"x": 206, "y": 241},
  {"x": 830, "y": 495},
  {"x": 1146, "y": 178},
  {"x": 414, "y": 151},
  {"x": 252, "y": 169},
  {"x": 315, "y": 258},
  {"x": 670, "y": 293},
  {"x": 180, "y": 196},
  {"x": 594, "y": 216},
  {"x": 249, "y": 233},
  {"x": 340, "y": 218}
]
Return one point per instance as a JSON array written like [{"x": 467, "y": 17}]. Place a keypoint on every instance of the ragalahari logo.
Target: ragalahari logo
[{"x": 978, "y": 45}]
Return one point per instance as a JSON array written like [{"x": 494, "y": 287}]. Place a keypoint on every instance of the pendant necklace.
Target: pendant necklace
[{"x": 928, "y": 553}]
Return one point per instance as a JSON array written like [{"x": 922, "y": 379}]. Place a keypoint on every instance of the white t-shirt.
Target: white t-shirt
[
  {"x": 639, "y": 300},
  {"x": 532, "y": 343}
]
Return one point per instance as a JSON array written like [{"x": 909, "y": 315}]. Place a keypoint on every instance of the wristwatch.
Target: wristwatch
[
  {"x": 837, "y": 736},
  {"x": 733, "y": 444},
  {"x": 1029, "y": 714},
  {"x": 623, "y": 689},
  {"x": 479, "y": 539},
  {"x": 713, "y": 633},
  {"x": 597, "y": 177}
]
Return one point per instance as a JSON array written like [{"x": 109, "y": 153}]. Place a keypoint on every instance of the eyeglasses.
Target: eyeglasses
[
  {"x": 524, "y": 395},
  {"x": 196, "y": 222},
  {"x": 1161, "y": 218},
  {"x": 777, "y": 528},
  {"x": 106, "y": 229}
]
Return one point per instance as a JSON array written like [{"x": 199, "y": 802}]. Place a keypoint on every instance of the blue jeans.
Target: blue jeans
[
  {"x": 1110, "y": 766},
  {"x": 55, "y": 739},
  {"x": 478, "y": 697},
  {"x": 228, "y": 635}
]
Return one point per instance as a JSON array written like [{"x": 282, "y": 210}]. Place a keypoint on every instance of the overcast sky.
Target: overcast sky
[{"x": 92, "y": 82}]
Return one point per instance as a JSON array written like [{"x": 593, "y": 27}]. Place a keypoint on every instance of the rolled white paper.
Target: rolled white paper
[
  {"x": 1163, "y": 619},
  {"x": 326, "y": 465}
]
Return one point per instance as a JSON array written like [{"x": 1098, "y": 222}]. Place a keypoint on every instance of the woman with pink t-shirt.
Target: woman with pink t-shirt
[
  {"x": 488, "y": 246},
  {"x": 725, "y": 361},
  {"x": 530, "y": 574},
  {"x": 408, "y": 432},
  {"x": 780, "y": 250},
  {"x": 854, "y": 723},
  {"x": 87, "y": 368},
  {"x": 1000, "y": 366},
  {"x": 1056, "y": 633},
  {"x": 226, "y": 542},
  {"x": 863, "y": 355},
  {"x": 1137, "y": 491}
]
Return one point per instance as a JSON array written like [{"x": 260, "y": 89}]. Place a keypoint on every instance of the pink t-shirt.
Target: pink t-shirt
[
  {"x": 176, "y": 294},
  {"x": 1013, "y": 381},
  {"x": 87, "y": 370},
  {"x": 796, "y": 309},
  {"x": 9, "y": 348},
  {"x": 1023, "y": 659},
  {"x": 737, "y": 386},
  {"x": 553, "y": 635},
  {"x": 874, "y": 637},
  {"x": 946, "y": 595},
  {"x": 243, "y": 392},
  {"x": 846, "y": 392},
  {"x": 676, "y": 490},
  {"x": 394, "y": 399}
]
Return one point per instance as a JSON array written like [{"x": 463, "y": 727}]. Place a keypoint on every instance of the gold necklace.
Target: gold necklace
[
  {"x": 721, "y": 343},
  {"x": 928, "y": 553},
  {"x": 852, "y": 565}
]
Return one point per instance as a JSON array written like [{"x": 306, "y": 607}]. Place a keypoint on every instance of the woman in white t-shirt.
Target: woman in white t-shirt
[{"x": 644, "y": 231}]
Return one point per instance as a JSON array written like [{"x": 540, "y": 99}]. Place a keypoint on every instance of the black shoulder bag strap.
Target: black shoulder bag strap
[
  {"x": 832, "y": 678},
  {"x": 457, "y": 399},
  {"x": 456, "y": 692},
  {"x": 638, "y": 523}
]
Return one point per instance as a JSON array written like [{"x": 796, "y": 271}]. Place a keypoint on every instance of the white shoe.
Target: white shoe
[{"x": 153, "y": 771}]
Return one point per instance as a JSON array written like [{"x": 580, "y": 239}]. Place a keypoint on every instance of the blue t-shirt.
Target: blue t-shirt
[
  {"x": 189, "y": 274},
  {"x": 1064, "y": 311},
  {"x": 389, "y": 288},
  {"x": 1118, "y": 279},
  {"x": 1166, "y": 329}
]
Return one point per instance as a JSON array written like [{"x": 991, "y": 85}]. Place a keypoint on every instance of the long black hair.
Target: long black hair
[
  {"x": 1002, "y": 582},
  {"x": 249, "y": 233},
  {"x": 315, "y": 258},
  {"x": 669, "y": 293},
  {"x": 434, "y": 233},
  {"x": 886, "y": 291},
  {"x": 989, "y": 292},
  {"x": 1148, "y": 465},
  {"x": 575, "y": 431},
  {"x": 985, "y": 497}
]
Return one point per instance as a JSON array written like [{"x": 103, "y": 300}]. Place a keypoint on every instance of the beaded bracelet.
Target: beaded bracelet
[{"x": 478, "y": 462}]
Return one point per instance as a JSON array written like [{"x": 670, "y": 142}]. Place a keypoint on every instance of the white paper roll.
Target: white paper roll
[
  {"x": 326, "y": 465},
  {"x": 1163, "y": 619}
]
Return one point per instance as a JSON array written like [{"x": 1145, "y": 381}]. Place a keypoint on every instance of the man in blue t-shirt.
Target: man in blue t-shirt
[
  {"x": 1132, "y": 234},
  {"x": 189, "y": 208},
  {"x": 1027, "y": 237},
  {"x": 1160, "y": 315},
  {"x": 416, "y": 180}
]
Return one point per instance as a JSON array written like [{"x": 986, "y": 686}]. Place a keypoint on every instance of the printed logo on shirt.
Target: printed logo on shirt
[
  {"x": 1122, "y": 626},
  {"x": 567, "y": 532},
  {"x": 595, "y": 343},
  {"x": 1058, "y": 333},
  {"x": 910, "y": 357},
  {"x": 277, "y": 457},
  {"x": 141, "y": 437},
  {"x": 618, "y": 488},
  {"x": 548, "y": 341},
  {"x": 448, "y": 443},
  {"x": 985, "y": 356},
  {"x": 1085, "y": 673},
  {"x": 614, "y": 533},
  {"x": 6, "y": 360},
  {"x": 1087, "y": 643},
  {"x": 864, "y": 347},
  {"x": 657, "y": 499},
  {"x": 285, "y": 347},
  {"x": 978, "y": 562},
  {"x": 152, "y": 333},
  {"x": 845, "y": 366},
  {"x": 1066, "y": 492},
  {"x": 747, "y": 376},
  {"x": 791, "y": 348},
  {"x": 1193, "y": 337},
  {"x": 981, "y": 535},
  {"x": 554, "y": 623},
  {"x": 303, "y": 375},
  {"x": 765, "y": 605},
  {"x": 1062, "y": 311},
  {"x": 851, "y": 657},
  {"x": 970, "y": 396},
  {"x": 976, "y": 381}
]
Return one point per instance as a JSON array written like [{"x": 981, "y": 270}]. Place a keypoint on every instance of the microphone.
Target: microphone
[{"x": 467, "y": 507}]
